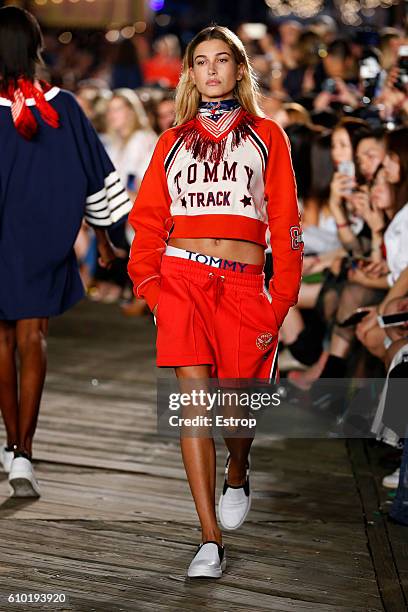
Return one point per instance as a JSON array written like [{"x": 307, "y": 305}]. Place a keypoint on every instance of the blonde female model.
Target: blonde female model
[{"x": 217, "y": 182}]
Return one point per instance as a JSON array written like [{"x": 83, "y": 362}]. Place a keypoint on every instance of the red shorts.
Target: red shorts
[{"x": 223, "y": 318}]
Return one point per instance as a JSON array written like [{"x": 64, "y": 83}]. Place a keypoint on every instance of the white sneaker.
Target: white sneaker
[
  {"x": 6, "y": 458},
  {"x": 391, "y": 481},
  {"x": 235, "y": 502},
  {"x": 209, "y": 561},
  {"x": 22, "y": 479}
]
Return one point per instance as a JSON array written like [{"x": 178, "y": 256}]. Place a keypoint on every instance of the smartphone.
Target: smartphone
[
  {"x": 402, "y": 80},
  {"x": 255, "y": 31},
  {"x": 392, "y": 320},
  {"x": 355, "y": 318},
  {"x": 347, "y": 168},
  {"x": 330, "y": 86}
]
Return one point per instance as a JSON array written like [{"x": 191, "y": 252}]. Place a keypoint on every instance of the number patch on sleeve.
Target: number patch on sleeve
[{"x": 296, "y": 237}]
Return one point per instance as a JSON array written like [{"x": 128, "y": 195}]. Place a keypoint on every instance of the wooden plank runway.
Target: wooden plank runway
[{"x": 115, "y": 527}]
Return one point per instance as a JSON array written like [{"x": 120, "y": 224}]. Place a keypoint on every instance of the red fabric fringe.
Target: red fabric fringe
[
  {"x": 205, "y": 147},
  {"x": 24, "y": 120}
]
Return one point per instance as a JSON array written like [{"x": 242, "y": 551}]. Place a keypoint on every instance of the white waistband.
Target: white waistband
[
  {"x": 209, "y": 260},
  {"x": 176, "y": 252}
]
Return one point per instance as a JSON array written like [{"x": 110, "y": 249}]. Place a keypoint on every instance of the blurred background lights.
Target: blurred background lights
[
  {"x": 112, "y": 36},
  {"x": 301, "y": 8},
  {"x": 350, "y": 11},
  {"x": 128, "y": 31},
  {"x": 140, "y": 27},
  {"x": 65, "y": 38},
  {"x": 163, "y": 20},
  {"x": 156, "y": 5}
]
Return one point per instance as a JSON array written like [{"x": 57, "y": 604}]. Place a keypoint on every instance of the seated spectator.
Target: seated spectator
[
  {"x": 393, "y": 272},
  {"x": 340, "y": 224},
  {"x": 326, "y": 28},
  {"x": 164, "y": 114},
  {"x": 272, "y": 106},
  {"x": 93, "y": 100},
  {"x": 390, "y": 41},
  {"x": 336, "y": 77},
  {"x": 299, "y": 80},
  {"x": 126, "y": 71},
  {"x": 289, "y": 33},
  {"x": 164, "y": 68},
  {"x": 295, "y": 114},
  {"x": 131, "y": 139},
  {"x": 388, "y": 196},
  {"x": 130, "y": 145}
]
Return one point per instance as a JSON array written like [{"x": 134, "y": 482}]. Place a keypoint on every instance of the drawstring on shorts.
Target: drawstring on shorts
[{"x": 217, "y": 282}]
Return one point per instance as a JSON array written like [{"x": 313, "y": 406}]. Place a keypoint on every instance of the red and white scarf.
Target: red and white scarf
[{"x": 24, "y": 120}]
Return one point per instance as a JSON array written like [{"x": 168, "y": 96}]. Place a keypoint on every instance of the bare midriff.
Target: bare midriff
[{"x": 236, "y": 250}]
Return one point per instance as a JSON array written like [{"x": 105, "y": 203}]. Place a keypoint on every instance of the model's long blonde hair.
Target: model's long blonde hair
[{"x": 246, "y": 90}]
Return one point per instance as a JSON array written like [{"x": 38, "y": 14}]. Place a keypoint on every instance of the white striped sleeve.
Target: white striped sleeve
[{"x": 109, "y": 204}]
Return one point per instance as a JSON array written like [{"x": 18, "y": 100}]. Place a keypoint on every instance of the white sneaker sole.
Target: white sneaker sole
[
  {"x": 226, "y": 527},
  {"x": 23, "y": 487},
  {"x": 208, "y": 573}
]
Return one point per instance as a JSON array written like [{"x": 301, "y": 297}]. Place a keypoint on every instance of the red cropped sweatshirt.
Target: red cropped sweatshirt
[{"x": 238, "y": 184}]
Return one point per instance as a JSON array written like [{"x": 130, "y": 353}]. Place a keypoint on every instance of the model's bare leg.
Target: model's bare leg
[
  {"x": 31, "y": 345},
  {"x": 200, "y": 463},
  {"x": 239, "y": 450},
  {"x": 8, "y": 380}
]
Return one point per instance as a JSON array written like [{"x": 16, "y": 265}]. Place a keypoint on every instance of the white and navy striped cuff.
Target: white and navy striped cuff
[{"x": 108, "y": 205}]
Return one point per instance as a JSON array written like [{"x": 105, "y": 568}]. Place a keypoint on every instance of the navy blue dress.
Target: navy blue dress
[{"x": 47, "y": 186}]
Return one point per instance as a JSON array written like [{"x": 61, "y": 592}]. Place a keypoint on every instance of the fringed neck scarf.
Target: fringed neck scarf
[
  {"x": 24, "y": 120},
  {"x": 207, "y": 133}
]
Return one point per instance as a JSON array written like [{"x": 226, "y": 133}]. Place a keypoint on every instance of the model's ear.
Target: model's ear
[
  {"x": 240, "y": 72},
  {"x": 191, "y": 73}
]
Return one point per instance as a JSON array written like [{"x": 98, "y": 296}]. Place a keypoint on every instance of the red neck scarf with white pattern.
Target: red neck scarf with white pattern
[{"x": 23, "y": 118}]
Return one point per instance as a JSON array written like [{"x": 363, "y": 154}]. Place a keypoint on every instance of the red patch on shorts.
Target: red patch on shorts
[{"x": 264, "y": 340}]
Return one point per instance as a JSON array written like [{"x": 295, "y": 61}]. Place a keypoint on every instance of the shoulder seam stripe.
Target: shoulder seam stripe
[
  {"x": 260, "y": 143},
  {"x": 171, "y": 153}
]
